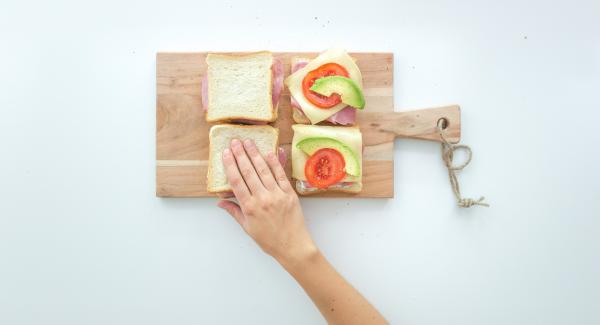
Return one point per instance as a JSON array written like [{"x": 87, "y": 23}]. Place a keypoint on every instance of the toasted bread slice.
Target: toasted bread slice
[
  {"x": 240, "y": 87},
  {"x": 266, "y": 138}
]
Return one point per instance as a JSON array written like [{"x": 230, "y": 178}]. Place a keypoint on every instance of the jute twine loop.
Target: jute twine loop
[{"x": 447, "y": 155}]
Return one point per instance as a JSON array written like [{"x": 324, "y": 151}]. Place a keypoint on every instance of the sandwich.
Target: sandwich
[
  {"x": 326, "y": 158},
  {"x": 327, "y": 88},
  {"x": 242, "y": 88},
  {"x": 220, "y": 136}
]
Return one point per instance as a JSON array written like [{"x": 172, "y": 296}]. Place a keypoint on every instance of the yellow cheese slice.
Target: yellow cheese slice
[
  {"x": 294, "y": 83},
  {"x": 348, "y": 135}
]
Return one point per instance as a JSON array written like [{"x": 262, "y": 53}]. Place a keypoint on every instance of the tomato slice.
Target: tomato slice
[
  {"x": 326, "y": 70},
  {"x": 325, "y": 168}
]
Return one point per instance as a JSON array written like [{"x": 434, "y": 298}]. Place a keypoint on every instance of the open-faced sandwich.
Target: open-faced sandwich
[
  {"x": 242, "y": 88},
  {"x": 327, "y": 88},
  {"x": 327, "y": 158},
  {"x": 265, "y": 137}
]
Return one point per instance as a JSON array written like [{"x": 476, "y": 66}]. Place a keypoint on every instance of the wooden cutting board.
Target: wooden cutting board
[{"x": 182, "y": 132}]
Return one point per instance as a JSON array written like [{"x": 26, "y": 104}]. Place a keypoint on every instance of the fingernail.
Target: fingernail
[
  {"x": 235, "y": 142},
  {"x": 226, "y": 153},
  {"x": 248, "y": 143}
]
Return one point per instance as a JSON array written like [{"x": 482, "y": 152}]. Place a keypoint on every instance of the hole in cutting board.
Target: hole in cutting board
[{"x": 443, "y": 122}]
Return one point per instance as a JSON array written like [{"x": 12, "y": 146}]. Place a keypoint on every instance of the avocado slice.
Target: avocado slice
[
  {"x": 312, "y": 145},
  {"x": 351, "y": 93}
]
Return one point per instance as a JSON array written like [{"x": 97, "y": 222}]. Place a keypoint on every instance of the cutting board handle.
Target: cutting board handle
[{"x": 422, "y": 123}]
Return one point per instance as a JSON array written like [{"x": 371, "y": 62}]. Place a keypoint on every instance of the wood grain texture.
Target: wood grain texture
[
  {"x": 417, "y": 124},
  {"x": 182, "y": 132}
]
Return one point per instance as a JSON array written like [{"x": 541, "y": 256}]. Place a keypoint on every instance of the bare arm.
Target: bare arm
[{"x": 269, "y": 211}]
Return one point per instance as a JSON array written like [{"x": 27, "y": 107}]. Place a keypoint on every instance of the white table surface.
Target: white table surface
[{"x": 83, "y": 239}]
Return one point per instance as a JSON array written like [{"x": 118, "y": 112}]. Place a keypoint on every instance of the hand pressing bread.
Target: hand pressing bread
[
  {"x": 281, "y": 155},
  {"x": 269, "y": 209}
]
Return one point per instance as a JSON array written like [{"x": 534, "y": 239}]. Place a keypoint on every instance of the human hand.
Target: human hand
[
  {"x": 281, "y": 155},
  {"x": 269, "y": 210}
]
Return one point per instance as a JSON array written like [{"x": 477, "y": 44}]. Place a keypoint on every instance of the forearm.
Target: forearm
[
  {"x": 270, "y": 213},
  {"x": 336, "y": 299}
]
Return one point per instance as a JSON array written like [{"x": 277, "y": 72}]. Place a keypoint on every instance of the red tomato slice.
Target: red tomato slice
[
  {"x": 325, "y": 168},
  {"x": 326, "y": 70}
]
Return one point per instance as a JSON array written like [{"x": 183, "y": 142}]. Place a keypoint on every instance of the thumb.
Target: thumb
[{"x": 234, "y": 210}]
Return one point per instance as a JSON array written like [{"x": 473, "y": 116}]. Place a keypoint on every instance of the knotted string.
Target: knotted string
[{"x": 447, "y": 155}]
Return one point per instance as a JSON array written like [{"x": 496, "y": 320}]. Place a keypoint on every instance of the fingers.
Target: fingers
[
  {"x": 234, "y": 210},
  {"x": 246, "y": 168},
  {"x": 278, "y": 172},
  {"x": 225, "y": 195},
  {"x": 281, "y": 156},
  {"x": 261, "y": 167},
  {"x": 233, "y": 176}
]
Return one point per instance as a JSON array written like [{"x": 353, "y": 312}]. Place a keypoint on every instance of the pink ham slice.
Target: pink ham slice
[
  {"x": 277, "y": 72},
  {"x": 301, "y": 63},
  {"x": 204, "y": 86},
  {"x": 347, "y": 116}
]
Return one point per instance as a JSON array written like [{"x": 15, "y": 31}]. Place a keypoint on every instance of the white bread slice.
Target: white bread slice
[
  {"x": 240, "y": 87},
  {"x": 266, "y": 138},
  {"x": 349, "y": 135}
]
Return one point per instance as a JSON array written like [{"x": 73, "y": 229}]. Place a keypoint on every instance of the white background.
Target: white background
[{"x": 83, "y": 239}]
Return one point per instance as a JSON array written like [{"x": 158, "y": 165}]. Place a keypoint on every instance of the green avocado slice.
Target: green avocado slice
[
  {"x": 312, "y": 145},
  {"x": 348, "y": 89}
]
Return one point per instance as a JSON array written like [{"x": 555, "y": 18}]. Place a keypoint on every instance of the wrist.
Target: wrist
[{"x": 298, "y": 259}]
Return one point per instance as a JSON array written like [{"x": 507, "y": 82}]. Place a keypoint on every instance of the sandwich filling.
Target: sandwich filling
[
  {"x": 347, "y": 116},
  {"x": 318, "y": 96},
  {"x": 277, "y": 88},
  {"x": 326, "y": 158}
]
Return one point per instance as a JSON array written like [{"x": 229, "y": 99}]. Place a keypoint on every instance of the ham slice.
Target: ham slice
[
  {"x": 277, "y": 72},
  {"x": 204, "y": 86},
  {"x": 301, "y": 63},
  {"x": 347, "y": 116}
]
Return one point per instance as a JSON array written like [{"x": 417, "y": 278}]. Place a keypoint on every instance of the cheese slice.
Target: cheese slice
[
  {"x": 294, "y": 83},
  {"x": 348, "y": 135}
]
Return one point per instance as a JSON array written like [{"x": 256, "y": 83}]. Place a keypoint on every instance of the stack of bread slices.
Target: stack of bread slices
[{"x": 241, "y": 94}]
